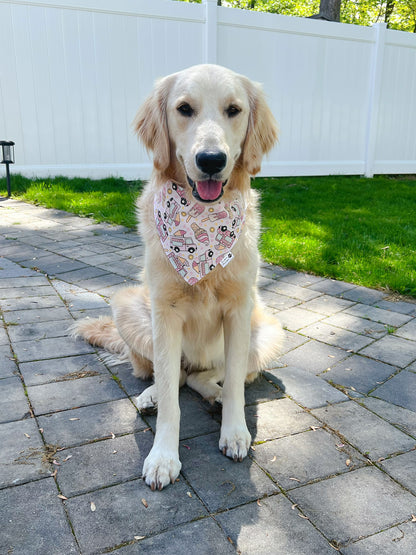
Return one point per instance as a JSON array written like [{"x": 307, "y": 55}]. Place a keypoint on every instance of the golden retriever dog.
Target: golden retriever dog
[{"x": 197, "y": 318}]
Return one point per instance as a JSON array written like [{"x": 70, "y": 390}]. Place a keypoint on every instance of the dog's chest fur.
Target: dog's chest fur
[{"x": 201, "y": 306}]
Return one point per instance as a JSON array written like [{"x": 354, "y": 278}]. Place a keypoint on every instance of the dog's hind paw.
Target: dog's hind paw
[
  {"x": 147, "y": 401},
  {"x": 160, "y": 468},
  {"x": 235, "y": 443}
]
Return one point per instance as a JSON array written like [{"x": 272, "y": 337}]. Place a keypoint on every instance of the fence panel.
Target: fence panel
[{"x": 74, "y": 72}]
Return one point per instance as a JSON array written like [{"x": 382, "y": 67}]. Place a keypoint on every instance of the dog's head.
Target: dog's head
[{"x": 203, "y": 123}]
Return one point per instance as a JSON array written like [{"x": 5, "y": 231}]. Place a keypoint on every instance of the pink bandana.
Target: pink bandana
[{"x": 197, "y": 237}]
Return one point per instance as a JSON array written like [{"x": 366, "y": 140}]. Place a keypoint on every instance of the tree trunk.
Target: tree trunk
[
  {"x": 329, "y": 10},
  {"x": 389, "y": 11}
]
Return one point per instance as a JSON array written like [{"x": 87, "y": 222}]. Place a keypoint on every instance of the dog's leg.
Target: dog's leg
[
  {"x": 235, "y": 438},
  {"x": 206, "y": 384},
  {"x": 162, "y": 465},
  {"x": 147, "y": 400}
]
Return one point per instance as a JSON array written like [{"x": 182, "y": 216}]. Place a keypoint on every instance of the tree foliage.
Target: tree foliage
[{"x": 398, "y": 14}]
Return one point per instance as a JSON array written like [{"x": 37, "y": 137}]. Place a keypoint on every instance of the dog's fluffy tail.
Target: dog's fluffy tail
[
  {"x": 266, "y": 341},
  {"x": 100, "y": 332}
]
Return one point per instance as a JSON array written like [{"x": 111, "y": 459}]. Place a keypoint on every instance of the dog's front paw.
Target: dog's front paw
[
  {"x": 160, "y": 468},
  {"x": 235, "y": 442},
  {"x": 147, "y": 400}
]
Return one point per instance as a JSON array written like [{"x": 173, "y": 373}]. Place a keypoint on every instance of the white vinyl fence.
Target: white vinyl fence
[{"x": 73, "y": 73}]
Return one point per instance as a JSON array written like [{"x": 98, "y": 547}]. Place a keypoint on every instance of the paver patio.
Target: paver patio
[{"x": 333, "y": 421}]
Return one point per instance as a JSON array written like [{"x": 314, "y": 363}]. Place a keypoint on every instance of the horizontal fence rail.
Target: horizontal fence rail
[{"x": 74, "y": 72}]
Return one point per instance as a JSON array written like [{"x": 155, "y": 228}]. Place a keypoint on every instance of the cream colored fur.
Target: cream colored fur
[{"x": 216, "y": 331}]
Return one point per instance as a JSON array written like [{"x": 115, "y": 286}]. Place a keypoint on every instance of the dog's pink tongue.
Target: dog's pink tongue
[{"x": 209, "y": 190}]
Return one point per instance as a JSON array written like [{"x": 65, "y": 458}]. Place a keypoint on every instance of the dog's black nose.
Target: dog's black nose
[{"x": 211, "y": 161}]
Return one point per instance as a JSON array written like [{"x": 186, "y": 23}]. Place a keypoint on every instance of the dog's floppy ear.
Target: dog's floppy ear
[
  {"x": 262, "y": 129},
  {"x": 151, "y": 125}
]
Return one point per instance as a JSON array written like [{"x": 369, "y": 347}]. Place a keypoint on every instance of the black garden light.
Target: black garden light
[{"x": 7, "y": 157}]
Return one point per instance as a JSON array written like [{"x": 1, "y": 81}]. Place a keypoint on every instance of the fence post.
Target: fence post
[
  {"x": 210, "y": 31},
  {"x": 376, "y": 72}
]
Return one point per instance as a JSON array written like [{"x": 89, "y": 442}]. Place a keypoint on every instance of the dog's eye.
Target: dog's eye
[
  {"x": 232, "y": 111},
  {"x": 185, "y": 109}
]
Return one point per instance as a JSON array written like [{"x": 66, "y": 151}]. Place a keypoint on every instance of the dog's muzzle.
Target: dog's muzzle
[{"x": 211, "y": 163}]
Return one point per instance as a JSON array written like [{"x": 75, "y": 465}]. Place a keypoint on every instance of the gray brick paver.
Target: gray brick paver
[
  {"x": 273, "y": 526},
  {"x": 86, "y": 424},
  {"x": 402, "y": 418},
  {"x": 50, "y": 347},
  {"x": 313, "y": 356},
  {"x": 378, "y": 314},
  {"x": 13, "y": 402},
  {"x": 120, "y": 513},
  {"x": 81, "y": 409},
  {"x": 358, "y": 372},
  {"x": 22, "y": 454},
  {"x": 305, "y": 388},
  {"x": 205, "y": 534},
  {"x": 399, "y": 390},
  {"x": 355, "y": 504},
  {"x": 33, "y": 520},
  {"x": 408, "y": 331},
  {"x": 60, "y": 369},
  {"x": 123, "y": 456},
  {"x": 65, "y": 395},
  {"x": 7, "y": 364},
  {"x": 220, "y": 482},
  {"x": 392, "y": 350},
  {"x": 343, "y": 338},
  {"x": 398, "y": 540},
  {"x": 303, "y": 457},
  {"x": 376, "y": 439},
  {"x": 402, "y": 469}
]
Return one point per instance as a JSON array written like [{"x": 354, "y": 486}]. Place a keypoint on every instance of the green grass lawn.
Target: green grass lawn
[
  {"x": 106, "y": 200},
  {"x": 350, "y": 228}
]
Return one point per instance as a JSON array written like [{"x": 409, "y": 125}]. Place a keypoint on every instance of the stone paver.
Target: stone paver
[
  {"x": 399, "y": 540},
  {"x": 286, "y": 532},
  {"x": 33, "y": 520},
  {"x": 336, "y": 336},
  {"x": 367, "y": 499},
  {"x": 121, "y": 513},
  {"x": 124, "y": 458},
  {"x": 13, "y": 402},
  {"x": 392, "y": 350},
  {"x": 402, "y": 418},
  {"x": 39, "y": 372},
  {"x": 205, "y": 533},
  {"x": 73, "y": 427},
  {"x": 314, "y": 356},
  {"x": 226, "y": 484},
  {"x": 376, "y": 439},
  {"x": 305, "y": 388},
  {"x": 400, "y": 390},
  {"x": 358, "y": 372},
  {"x": 304, "y": 457},
  {"x": 333, "y": 420},
  {"x": 22, "y": 454},
  {"x": 74, "y": 393},
  {"x": 402, "y": 469}
]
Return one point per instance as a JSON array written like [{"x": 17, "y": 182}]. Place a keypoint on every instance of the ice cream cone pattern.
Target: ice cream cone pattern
[{"x": 200, "y": 234}]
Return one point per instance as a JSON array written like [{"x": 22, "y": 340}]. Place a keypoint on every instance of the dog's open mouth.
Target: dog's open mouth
[{"x": 207, "y": 191}]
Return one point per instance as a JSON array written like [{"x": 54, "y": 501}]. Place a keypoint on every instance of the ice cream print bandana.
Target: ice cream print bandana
[{"x": 197, "y": 237}]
